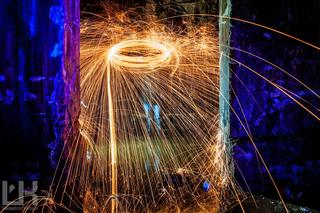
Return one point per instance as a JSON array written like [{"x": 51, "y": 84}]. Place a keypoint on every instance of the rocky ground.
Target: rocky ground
[{"x": 266, "y": 205}]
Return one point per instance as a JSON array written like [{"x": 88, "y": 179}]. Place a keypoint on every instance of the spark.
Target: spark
[
  {"x": 149, "y": 133},
  {"x": 151, "y": 99},
  {"x": 138, "y": 56}
]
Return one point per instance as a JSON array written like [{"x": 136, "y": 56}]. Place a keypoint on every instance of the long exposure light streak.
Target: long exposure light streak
[
  {"x": 161, "y": 92},
  {"x": 113, "y": 144},
  {"x": 126, "y": 56},
  {"x": 149, "y": 135},
  {"x": 250, "y": 23},
  {"x": 156, "y": 69}
]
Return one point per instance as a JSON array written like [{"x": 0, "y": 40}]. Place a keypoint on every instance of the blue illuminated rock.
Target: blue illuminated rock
[{"x": 39, "y": 82}]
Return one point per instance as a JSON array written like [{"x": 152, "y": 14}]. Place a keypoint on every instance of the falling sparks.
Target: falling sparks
[
  {"x": 149, "y": 116},
  {"x": 149, "y": 133}
]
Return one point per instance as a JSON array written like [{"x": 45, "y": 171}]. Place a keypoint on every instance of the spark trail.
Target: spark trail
[
  {"x": 150, "y": 94},
  {"x": 155, "y": 56},
  {"x": 149, "y": 137}
]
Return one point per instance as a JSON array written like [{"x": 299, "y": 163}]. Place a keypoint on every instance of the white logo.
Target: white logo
[{"x": 14, "y": 194}]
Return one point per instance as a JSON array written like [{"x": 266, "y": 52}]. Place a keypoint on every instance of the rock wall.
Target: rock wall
[
  {"x": 167, "y": 8},
  {"x": 39, "y": 84},
  {"x": 285, "y": 134}
]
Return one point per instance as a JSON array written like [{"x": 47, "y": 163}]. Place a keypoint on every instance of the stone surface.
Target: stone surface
[
  {"x": 262, "y": 204},
  {"x": 39, "y": 83},
  {"x": 285, "y": 134},
  {"x": 178, "y": 7}
]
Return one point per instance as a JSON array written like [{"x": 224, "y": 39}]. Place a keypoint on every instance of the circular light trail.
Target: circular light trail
[{"x": 141, "y": 56}]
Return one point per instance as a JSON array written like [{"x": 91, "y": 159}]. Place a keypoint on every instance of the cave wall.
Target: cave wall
[
  {"x": 39, "y": 84},
  {"x": 285, "y": 134},
  {"x": 167, "y": 8}
]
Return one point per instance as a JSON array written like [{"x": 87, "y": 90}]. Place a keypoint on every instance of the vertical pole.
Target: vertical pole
[
  {"x": 224, "y": 97},
  {"x": 113, "y": 145}
]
